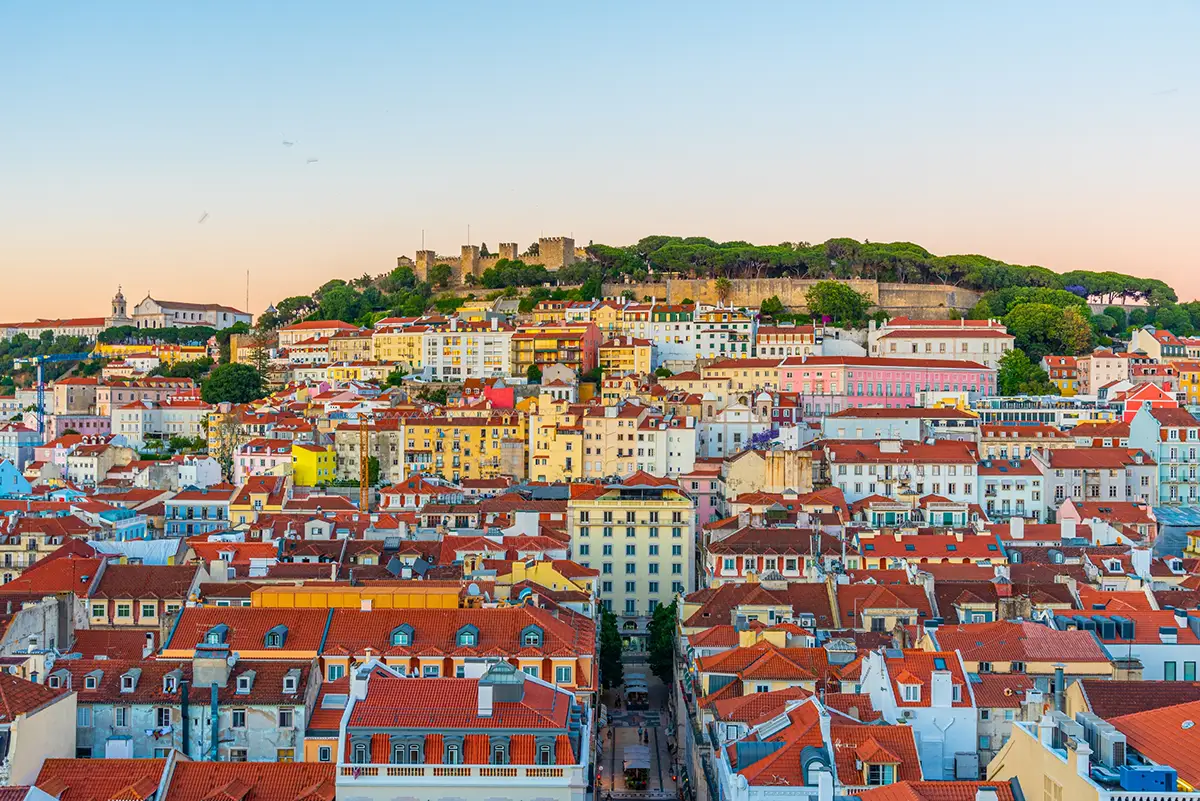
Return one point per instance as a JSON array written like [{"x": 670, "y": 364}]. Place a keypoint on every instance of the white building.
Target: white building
[
  {"x": 980, "y": 341},
  {"x": 666, "y": 446},
  {"x": 17, "y": 443},
  {"x": 152, "y": 313},
  {"x": 929, "y": 691},
  {"x": 895, "y": 468},
  {"x": 141, "y": 421},
  {"x": 467, "y": 350},
  {"x": 1012, "y": 488},
  {"x": 730, "y": 430}
]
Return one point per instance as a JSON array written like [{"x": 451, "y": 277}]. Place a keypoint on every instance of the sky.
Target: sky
[{"x": 1062, "y": 134}]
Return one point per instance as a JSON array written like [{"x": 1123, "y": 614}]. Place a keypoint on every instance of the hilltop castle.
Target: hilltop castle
[{"x": 554, "y": 252}]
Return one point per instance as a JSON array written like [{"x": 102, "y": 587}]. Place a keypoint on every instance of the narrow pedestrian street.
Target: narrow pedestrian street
[{"x": 632, "y": 736}]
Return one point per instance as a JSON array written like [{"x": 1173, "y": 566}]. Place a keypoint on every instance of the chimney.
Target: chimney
[
  {"x": 365, "y": 604},
  {"x": 218, "y": 570},
  {"x": 1059, "y": 690},
  {"x": 495, "y": 323},
  {"x": 1140, "y": 558},
  {"x": 1016, "y": 528},
  {"x": 941, "y": 692},
  {"x": 1067, "y": 528},
  {"x": 485, "y": 700},
  {"x": 1083, "y": 762},
  {"x": 824, "y": 784},
  {"x": 1046, "y": 730},
  {"x": 148, "y": 646},
  {"x": 985, "y": 793}
]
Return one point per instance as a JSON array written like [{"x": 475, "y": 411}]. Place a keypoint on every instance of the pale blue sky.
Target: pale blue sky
[{"x": 1058, "y": 133}]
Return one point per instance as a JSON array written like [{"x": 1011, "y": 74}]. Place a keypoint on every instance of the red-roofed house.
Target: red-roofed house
[{"x": 38, "y": 722}]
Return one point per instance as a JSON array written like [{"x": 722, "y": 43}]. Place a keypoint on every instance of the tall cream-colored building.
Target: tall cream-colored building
[{"x": 640, "y": 534}]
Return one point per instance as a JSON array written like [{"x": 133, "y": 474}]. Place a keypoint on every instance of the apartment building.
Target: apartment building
[
  {"x": 465, "y": 350},
  {"x": 640, "y": 533}
]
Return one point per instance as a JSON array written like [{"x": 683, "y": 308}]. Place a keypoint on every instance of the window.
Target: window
[
  {"x": 239, "y": 719},
  {"x": 324, "y": 754},
  {"x": 1169, "y": 671},
  {"x": 985, "y": 742},
  {"x": 880, "y": 774},
  {"x": 99, "y": 610},
  {"x": 83, "y": 717},
  {"x": 285, "y": 755},
  {"x": 531, "y": 670},
  {"x": 985, "y": 667},
  {"x": 452, "y": 754},
  {"x": 162, "y": 717},
  {"x": 149, "y": 610},
  {"x": 360, "y": 754},
  {"x": 402, "y": 636},
  {"x": 985, "y": 714},
  {"x": 956, "y": 694},
  {"x": 499, "y": 754},
  {"x": 336, "y": 672},
  {"x": 124, "y": 610},
  {"x": 911, "y": 693},
  {"x": 121, "y": 716},
  {"x": 1189, "y": 671},
  {"x": 431, "y": 671},
  {"x": 286, "y": 720},
  {"x": 235, "y": 754},
  {"x": 562, "y": 674},
  {"x": 1018, "y": 667}
]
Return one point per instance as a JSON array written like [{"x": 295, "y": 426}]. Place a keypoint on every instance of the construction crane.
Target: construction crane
[
  {"x": 40, "y": 408},
  {"x": 364, "y": 465}
]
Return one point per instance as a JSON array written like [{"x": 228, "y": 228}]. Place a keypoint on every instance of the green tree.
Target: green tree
[
  {"x": 440, "y": 275},
  {"x": 372, "y": 470},
  {"x": 1118, "y": 316},
  {"x": 533, "y": 374},
  {"x": 840, "y": 302},
  {"x": 772, "y": 307},
  {"x": 595, "y": 375},
  {"x": 439, "y": 396},
  {"x": 233, "y": 383},
  {"x": 1019, "y": 376},
  {"x": 1174, "y": 319},
  {"x": 662, "y": 641},
  {"x": 1073, "y": 333},
  {"x": 663, "y": 372},
  {"x": 612, "y": 672},
  {"x": 724, "y": 289},
  {"x": 395, "y": 379}
]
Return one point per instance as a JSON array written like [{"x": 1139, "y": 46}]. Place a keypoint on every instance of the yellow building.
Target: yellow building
[
  {"x": 556, "y": 447},
  {"x": 358, "y": 371},
  {"x": 399, "y": 345},
  {"x": 640, "y": 533},
  {"x": 625, "y": 355},
  {"x": 404, "y": 595},
  {"x": 607, "y": 316},
  {"x": 351, "y": 346},
  {"x": 259, "y": 495},
  {"x": 1189, "y": 380},
  {"x": 166, "y": 353},
  {"x": 474, "y": 311},
  {"x": 312, "y": 464},
  {"x": 1063, "y": 372},
  {"x": 470, "y": 447},
  {"x": 723, "y": 333},
  {"x": 572, "y": 345},
  {"x": 610, "y": 439},
  {"x": 745, "y": 374}
]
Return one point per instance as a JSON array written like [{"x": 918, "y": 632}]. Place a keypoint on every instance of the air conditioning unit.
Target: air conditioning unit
[{"x": 1112, "y": 748}]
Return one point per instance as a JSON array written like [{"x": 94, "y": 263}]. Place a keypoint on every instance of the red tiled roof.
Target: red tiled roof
[
  {"x": 1001, "y": 690},
  {"x": 860, "y": 745},
  {"x": 935, "y": 791},
  {"x": 717, "y": 603},
  {"x": 917, "y": 667},
  {"x": 248, "y": 627},
  {"x": 100, "y": 779},
  {"x": 112, "y": 643},
  {"x": 1160, "y": 735},
  {"x": 146, "y": 581},
  {"x": 1090, "y": 458},
  {"x": 454, "y": 704},
  {"x": 251, "y": 781},
  {"x": 945, "y": 452},
  {"x": 1005, "y": 641},
  {"x": 1111, "y": 698},
  {"x": 756, "y": 706},
  {"x": 266, "y": 688},
  {"x": 20, "y": 697}
]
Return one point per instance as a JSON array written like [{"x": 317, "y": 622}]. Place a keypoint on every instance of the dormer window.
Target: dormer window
[
  {"x": 531, "y": 637},
  {"x": 911, "y": 693},
  {"x": 90, "y": 683},
  {"x": 402, "y": 635},
  {"x": 216, "y": 635},
  {"x": 289, "y": 684},
  {"x": 54, "y": 682},
  {"x": 276, "y": 637},
  {"x": 468, "y": 636},
  {"x": 170, "y": 683},
  {"x": 244, "y": 683},
  {"x": 128, "y": 683}
]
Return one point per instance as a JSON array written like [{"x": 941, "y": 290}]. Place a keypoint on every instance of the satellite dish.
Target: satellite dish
[
  {"x": 232, "y": 659},
  {"x": 1187, "y": 724},
  {"x": 473, "y": 589}
]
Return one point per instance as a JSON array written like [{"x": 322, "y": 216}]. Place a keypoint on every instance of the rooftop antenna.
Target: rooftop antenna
[{"x": 247, "y": 290}]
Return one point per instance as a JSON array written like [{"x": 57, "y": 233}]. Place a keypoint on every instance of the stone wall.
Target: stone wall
[
  {"x": 554, "y": 252},
  {"x": 927, "y": 301}
]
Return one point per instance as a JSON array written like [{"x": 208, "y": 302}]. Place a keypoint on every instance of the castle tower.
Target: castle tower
[
  {"x": 424, "y": 263},
  {"x": 556, "y": 252},
  {"x": 510, "y": 251},
  {"x": 118, "y": 305},
  {"x": 469, "y": 262}
]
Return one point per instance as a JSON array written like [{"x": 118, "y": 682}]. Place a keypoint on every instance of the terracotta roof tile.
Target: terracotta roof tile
[
  {"x": 251, "y": 781},
  {"x": 96, "y": 779},
  {"x": 1110, "y": 699},
  {"x": 1160, "y": 735}
]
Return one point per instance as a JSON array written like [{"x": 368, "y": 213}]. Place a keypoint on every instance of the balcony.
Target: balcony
[{"x": 458, "y": 775}]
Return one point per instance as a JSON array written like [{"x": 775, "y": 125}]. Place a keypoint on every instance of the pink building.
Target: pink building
[
  {"x": 829, "y": 384},
  {"x": 262, "y": 457},
  {"x": 706, "y": 486}
]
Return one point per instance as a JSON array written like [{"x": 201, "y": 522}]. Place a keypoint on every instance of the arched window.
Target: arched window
[
  {"x": 543, "y": 755},
  {"x": 499, "y": 755},
  {"x": 402, "y": 636},
  {"x": 274, "y": 640},
  {"x": 397, "y": 754},
  {"x": 414, "y": 754},
  {"x": 360, "y": 754},
  {"x": 452, "y": 754},
  {"x": 466, "y": 638}
]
